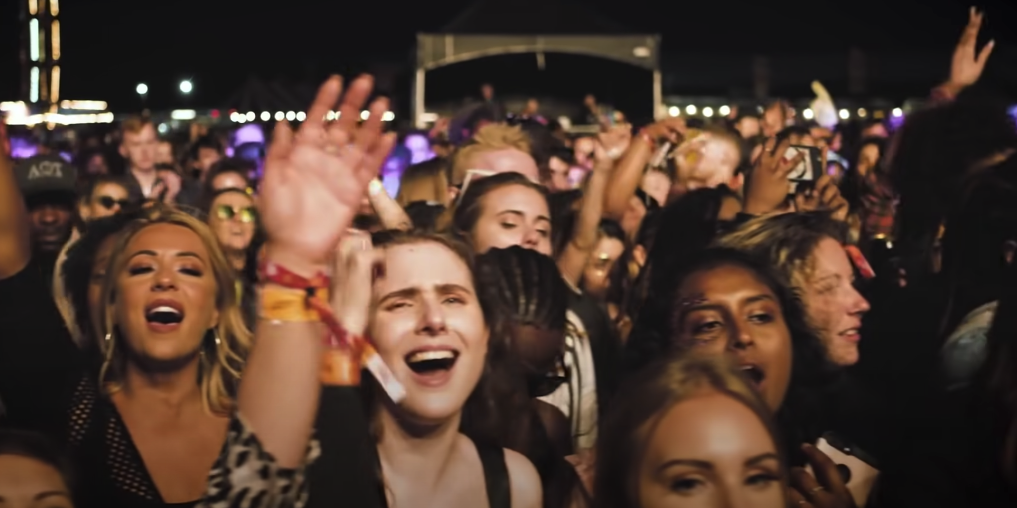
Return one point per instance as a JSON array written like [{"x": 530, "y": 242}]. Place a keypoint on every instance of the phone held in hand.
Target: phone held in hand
[
  {"x": 857, "y": 468},
  {"x": 659, "y": 158},
  {"x": 805, "y": 174}
]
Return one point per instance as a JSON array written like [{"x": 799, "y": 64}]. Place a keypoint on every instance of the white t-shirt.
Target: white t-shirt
[{"x": 577, "y": 398}]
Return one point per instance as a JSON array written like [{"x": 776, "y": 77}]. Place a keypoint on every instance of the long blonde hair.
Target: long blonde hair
[{"x": 221, "y": 360}]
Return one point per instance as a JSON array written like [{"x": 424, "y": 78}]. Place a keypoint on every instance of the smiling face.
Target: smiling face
[
  {"x": 710, "y": 451},
  {"x": 165, "y": 294},
  {"x": 429, "y": 328},
  {"x": 513, "y": 215},
  {"x": 30, "y": 483},
  {"x": 833, "y": 306},
  {"x": 728, "y": 310}
]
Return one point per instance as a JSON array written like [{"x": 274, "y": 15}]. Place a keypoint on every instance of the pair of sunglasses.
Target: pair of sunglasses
[
  {"x": 227, "y": 212},
  {"x": 109, "y": 202},
  {"x": 547, "y": 383}
]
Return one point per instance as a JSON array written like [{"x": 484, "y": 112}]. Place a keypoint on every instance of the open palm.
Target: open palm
[{"x": 315, "y": 178}]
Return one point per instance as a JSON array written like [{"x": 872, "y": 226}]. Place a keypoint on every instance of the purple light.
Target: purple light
[
  {"x": 22, "y": 148},
  {"x": 250, "y": 133},
  {"x": 420, "y": 148}
]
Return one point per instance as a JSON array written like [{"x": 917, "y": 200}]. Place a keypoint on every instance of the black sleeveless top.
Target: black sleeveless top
[{"x": 349, "y": 468}]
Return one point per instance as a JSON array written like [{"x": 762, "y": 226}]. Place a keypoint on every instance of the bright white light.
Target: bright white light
[
  {"x": 301, "y": 116},
  {"x": 186, "y": 86},
  {"x": 897, "y": 112},
  {"x": 142, "y": 89},
  {"x": 33, "y": 39},
  {"x": 84, "y": 105},
  {"x": 862, "y": 113},
  {"x": 724, "y": 110},
  {"x": 330, "y": 116},
  {"x": 250, "y": 116},
  {"x": 690, "y": 109},
  {"x": 290, "y": 116},
  {"x": 429, "y": 117},
  {"x": 364, "y": 115},
  {"x": 163, "y": 128},
  {"x": 266, "y": 116},
  {"x": 674, "y": 111},
  {"x": 33, "y": 94},
  {"x": 844, "y": 114},
  {"x": 641, "y": 52},
  {"x": 241, "y": 118},
  {"x": 56, "y": 118},
  {"x": 279, "y": 116},
  {"x": 707, "y": 112},
  {"x": 388, "y": 116},
  {"x": 183, "y": 114},
  {"x": 808, "y": 114},
  {"x": 234, "y": 117}
]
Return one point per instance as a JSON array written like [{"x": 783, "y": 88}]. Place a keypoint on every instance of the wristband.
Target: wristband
[{"x": 288, "y": 305}]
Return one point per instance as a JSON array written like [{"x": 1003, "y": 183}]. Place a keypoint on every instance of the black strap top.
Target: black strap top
[{"x": 496, "y": 477}]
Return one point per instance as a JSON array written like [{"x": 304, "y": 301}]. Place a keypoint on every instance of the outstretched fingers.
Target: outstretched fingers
[{"x": 313, "y": 128}]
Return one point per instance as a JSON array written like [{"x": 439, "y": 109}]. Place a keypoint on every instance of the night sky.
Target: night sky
[{"x": 111, "y": 45}]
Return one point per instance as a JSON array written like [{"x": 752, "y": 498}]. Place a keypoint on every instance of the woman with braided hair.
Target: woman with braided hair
[{"x": 530, "y": 297}]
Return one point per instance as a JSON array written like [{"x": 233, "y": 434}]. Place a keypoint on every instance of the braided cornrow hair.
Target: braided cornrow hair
[{"x": 524, "y": 286}]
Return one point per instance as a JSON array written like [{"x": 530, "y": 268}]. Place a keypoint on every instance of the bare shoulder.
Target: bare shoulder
[{"x": 526, "y": 488}]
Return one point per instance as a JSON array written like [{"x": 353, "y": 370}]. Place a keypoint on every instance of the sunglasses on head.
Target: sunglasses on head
[
  {"x": 227, "y": 212},
  {"x": 547, "y": 383},
  {"x": 109, "y": 202}
]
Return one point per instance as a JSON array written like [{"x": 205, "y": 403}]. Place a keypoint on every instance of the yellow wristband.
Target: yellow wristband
[{"x": 283, "y": 304}]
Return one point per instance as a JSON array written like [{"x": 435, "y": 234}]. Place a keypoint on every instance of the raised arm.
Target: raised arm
[
  {"x": 15, "y": 245},
  {"x": 584, "y": 235},
  {"x": 392, "y": 215},
  {"x": 628, "y": 173},
  {"x": 314, "y": 182}
]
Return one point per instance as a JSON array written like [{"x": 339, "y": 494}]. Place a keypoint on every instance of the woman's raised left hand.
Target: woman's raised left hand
[{"x": 315, "y": 178}]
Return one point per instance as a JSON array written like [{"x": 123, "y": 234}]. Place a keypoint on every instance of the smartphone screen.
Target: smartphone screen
[
  {"x": 808, "y": 170},
  {"x": 857, "y": 468}
]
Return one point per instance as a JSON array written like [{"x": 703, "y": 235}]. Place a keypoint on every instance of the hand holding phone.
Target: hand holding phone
[
  {"x": 808, "y": 170},
  {"x": 841, "y": 468}
]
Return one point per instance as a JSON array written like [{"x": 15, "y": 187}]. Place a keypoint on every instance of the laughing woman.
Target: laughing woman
[
  {"x": 144, "y": 427},
  {"x": 428, "y": 326}
]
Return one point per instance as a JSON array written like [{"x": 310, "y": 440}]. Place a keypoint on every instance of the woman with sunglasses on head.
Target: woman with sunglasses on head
[{"x": 429, "y": 329}]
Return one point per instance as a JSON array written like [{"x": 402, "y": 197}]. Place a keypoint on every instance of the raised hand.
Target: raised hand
[
  {"x": 968, "y": 64},
  {"x": 825, "y": 490},
  {"x": 315, "y": 178},
  {"x": 768, "y": 185},
  {"x": 825, "y": 196}
]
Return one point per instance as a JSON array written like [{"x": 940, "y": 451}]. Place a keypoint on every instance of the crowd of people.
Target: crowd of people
[{"x": 669, "y": 316}]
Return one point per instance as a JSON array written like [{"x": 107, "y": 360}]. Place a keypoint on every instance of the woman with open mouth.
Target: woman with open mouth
[
  {"x": 413, "y": 301},
  {"x": 728, "y": 303},
  {"x": 146, "y": 423}
]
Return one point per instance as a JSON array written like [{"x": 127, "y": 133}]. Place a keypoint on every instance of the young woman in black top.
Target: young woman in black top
[{"x": 427, "y": 325}]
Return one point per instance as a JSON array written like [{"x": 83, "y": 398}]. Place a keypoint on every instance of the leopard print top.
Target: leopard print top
[{"x": 246, "y": 476}]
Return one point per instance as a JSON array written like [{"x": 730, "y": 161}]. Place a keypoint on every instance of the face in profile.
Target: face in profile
[
  {"x": 833, "y": 306},
  {"x": 657, "y": 185},
  {"x": 710, "y": 451},
  {"x": 598, "y": 267},
  {"x": 165, "y": 297},
  {"x": 429, "y": 328},
  {"x": 232, "y": 219},
  {"x": 728, "y": 310},
  {"x": 229, "y": 180},
  {"x": 513, "y": 215},
  {"x": 29, "y": 483}
]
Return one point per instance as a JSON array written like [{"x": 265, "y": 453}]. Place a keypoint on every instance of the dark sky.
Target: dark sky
[{"x": 111, "y": 45}]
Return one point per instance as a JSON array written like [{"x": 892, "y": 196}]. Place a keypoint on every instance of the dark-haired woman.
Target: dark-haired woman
[
  {"x": 728, "y": 303},
  {"x": 526, "y": 291}
]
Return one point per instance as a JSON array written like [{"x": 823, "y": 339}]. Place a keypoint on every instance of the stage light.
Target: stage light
[
  {"x": 844, "y": 114},
  {"x": 690, "y": 109},
  {"x": 266, "y": 116},
  {"x": 364, "y": 115},
  {"x": 186, "y": 86},
  {"x": 897, "y": 112},
  {"x": 674, "y": 111},
  {"x": 279, "y": 116},
  {"x": 862, "y": 113},
  {"x": 707, "y": 112},
  {"x": 142, "y": 89},
  {"x": 250, "y": 116},
  {"x": 808, "y": 114},
  {"x": 388, "y": 116},
  {"x": 290, "y": 116},
  {"x": 301, "y": 116},
  {"x": 725, "y": 110}
]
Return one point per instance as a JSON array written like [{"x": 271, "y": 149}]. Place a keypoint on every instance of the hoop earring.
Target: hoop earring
[{"x": 107, "y": 360}]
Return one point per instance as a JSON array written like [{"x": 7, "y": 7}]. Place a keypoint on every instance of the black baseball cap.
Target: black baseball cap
[{"x": 45, "y": 174}]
